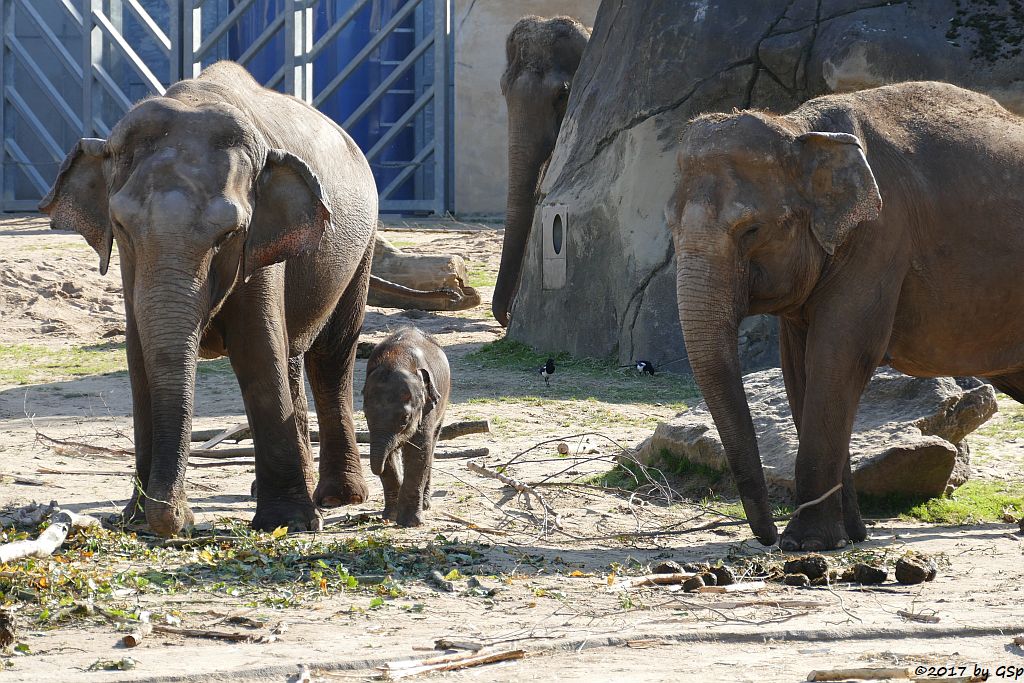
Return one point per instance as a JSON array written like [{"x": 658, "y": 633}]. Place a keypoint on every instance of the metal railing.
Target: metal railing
[{"x": 72, "y": 68}]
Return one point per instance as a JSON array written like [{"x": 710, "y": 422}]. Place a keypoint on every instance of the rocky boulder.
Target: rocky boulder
[{"x": 908, "y": 437}]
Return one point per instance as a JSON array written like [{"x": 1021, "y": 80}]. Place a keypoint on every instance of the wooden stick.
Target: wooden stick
[
  {"x": 745, "y": 587},
  {"x": 858, "y": 674},
  {"x": 414, "y": 667},
  {"x": 204, "y": 633},
  {"x": 451, "y": 431},
  {"x": 228, "y": 433},
  {"x": 915, "y": 616},
  {"x": 135, "y": 637},
  {"x": 472, "y": 525},
  {"x": 518, "y": 486},
  {"x": 466, "y": 453},
  {"x": 652, "y": 580}
]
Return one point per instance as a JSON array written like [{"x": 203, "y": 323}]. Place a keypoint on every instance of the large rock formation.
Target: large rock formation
[
  {"x": 599, "y": 276},
  {"x": 907, "y": 439}
]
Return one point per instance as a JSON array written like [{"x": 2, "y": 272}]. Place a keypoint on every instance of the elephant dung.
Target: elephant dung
[{"x": 907, "y": 438}]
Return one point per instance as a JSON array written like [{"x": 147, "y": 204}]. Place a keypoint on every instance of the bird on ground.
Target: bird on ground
[
  {"x": 547, "y": 370},
  {"x": 645, "y": 367}
]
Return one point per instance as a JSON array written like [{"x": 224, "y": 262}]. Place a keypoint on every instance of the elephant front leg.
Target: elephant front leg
[
  {"x": 839, "y": 361},
  {"x": 417, "y": 459},
  {"x": 142, "y": 417},
  {"x": 284, "y": 463},
  {"x": 391, "y": 480}
]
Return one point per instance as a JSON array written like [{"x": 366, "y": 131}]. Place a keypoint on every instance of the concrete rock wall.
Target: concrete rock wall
[{"x": 652, "y": 66}]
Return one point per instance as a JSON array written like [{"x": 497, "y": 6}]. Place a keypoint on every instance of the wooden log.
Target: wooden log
[
  {"x": 865, "y": 674},
  {"x": 449, "y": 431},
  {"x": 441, "y": 275},
  {"x": 652, "y": 580},
  {"x": 414, "y": 667},
  {"x": 136, "y": 636}
]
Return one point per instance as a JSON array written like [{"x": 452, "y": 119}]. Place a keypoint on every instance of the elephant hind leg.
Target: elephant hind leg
[
  {"x": 330, "y": 364},
  {"x": 1011, "y": 385}
]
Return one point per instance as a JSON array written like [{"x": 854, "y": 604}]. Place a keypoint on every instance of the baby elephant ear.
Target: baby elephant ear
[
  {"x": 433, "y": 398},
  {"x": 839, "y": 184}
]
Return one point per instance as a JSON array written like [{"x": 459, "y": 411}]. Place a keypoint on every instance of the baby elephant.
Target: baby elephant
[{"x": 404, "y": 398}]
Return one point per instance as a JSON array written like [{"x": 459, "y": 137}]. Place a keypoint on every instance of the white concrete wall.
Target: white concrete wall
[{"x": 480, "y": 28}]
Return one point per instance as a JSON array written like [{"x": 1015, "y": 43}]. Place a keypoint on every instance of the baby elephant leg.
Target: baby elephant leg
[
  {"x": 391, "y": 480},
  {"x": 417, "y": 457}
]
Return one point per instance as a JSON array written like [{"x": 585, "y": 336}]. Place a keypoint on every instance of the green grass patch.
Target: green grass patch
[
  {"x": 30, "y": 364},
  {"x": 973, "y": 503},
  {"x": 481, "y": 277}
]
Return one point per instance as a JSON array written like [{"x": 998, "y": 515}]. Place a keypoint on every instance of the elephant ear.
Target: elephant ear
[
  {"x": 290, "y": 214},
  {"x": 839, "y": 184},
  {"x": 78, "y": 199},
  {"x": 433, "y": 398}
]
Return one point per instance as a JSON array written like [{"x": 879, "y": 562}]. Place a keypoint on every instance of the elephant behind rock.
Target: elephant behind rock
[
  {"x": 245, "y": 222},
  {"x": 884, "y": 226},
  {"x": 543, "y": 55}
]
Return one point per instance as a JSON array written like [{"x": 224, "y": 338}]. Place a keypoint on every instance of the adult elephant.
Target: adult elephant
[
  {"x": 245, "y": 222},
  {"x": 543, "y": 55},
  {"x": 883, "y": 226}
]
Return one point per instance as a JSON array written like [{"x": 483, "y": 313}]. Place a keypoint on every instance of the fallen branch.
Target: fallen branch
[
  {"x": 652, "y": 580},
  {"x": 466, "y": 453},
  {"x": 135, "y": 637},
  {"x": 414, "y": 667},
  {"x": 178, "y": 630},
  {"x": 228, "y": 433},
  {"x": 524, "y": 489},
  {"x": 473, "y": 526},
  {"x": 916, "y": 616},
  {"x": 451, "y": 431},
  {"x": 859, "y": 674},
  {"x": 745, "y": 587},
  {"x": 78, "y": 448}
]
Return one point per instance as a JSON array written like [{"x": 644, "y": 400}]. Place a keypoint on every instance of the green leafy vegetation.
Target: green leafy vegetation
[
  {"x": 31, "y": 364},
  {"x": 972, "y": 503},
  {"x": 481, "y": 277},
  {"x": 273, "y": 570}
]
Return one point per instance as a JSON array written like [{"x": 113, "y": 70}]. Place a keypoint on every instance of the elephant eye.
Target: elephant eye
[
  {"x": 749, "y": 235},
  {"x": 225, "y": 237}
]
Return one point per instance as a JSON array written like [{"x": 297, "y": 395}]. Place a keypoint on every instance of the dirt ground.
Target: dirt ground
[{"x": 546, "y": 590}]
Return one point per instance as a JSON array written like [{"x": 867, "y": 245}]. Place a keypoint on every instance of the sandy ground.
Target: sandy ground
[{"x": 553, "y": 598}]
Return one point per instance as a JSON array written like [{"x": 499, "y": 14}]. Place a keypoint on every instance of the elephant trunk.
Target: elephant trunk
[
  {"x": 529, "y": 146},
  {"x": 169, "y": 319},
  {"x": 381, "y": 448},
  {"x": 711, "y": 306}
]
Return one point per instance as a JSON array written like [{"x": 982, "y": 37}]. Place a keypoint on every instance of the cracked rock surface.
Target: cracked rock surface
[
  {"x": 907, "y": 438},
  {"x": 653, "y": 65}
]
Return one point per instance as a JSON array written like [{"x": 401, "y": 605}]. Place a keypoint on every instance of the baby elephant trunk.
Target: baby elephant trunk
[{"x": 381, "y": 448}]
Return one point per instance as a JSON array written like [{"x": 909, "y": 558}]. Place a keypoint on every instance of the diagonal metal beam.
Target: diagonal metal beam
[
  {"x": 147, "y": 21},
  {"x": 223, "y": 27},
  {"x": 111, "y": 87},
  {"x": 356, "y": 61},
  {"x": 401, "y": 123},
  {"x": 416, "y": 162},
  {"x": 51, "y": 146},
  {"x": 27, "y": 167},
  {"x": 136, "y": 62},
  {"x": 386, "y": 84},
  {"x": 70, "y": 62},
  {"x": 262, "y": 40},
  {"x": 43, "y": 82},
  {"x": 336, "y": 28}
]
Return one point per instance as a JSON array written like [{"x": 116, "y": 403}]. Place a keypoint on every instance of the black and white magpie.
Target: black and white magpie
[
  {"x": 645, "y": 367},
  {"x": 547, "y": 369}
]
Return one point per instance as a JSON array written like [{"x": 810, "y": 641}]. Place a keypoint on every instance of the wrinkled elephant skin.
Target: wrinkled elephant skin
[
  {"x": 244, "y": 221},
  {"x": 408, "y": 382},
  {"x": 882, "y": 226}
]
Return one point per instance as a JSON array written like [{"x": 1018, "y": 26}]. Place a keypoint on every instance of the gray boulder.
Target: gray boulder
[{"x": 908, "y": 437}]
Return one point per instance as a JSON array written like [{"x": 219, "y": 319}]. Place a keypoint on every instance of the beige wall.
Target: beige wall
[{"x": 480, "y": 27}]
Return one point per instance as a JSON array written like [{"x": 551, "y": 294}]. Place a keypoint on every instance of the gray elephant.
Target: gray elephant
[
  {"x": 408, "y": 382},
  {"x": 883, "y": 226},
  {"x": 245, "y": 221},
  {"x": 543, "y": 55}
]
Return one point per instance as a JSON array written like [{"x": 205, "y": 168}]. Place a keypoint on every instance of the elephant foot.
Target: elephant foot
[
  {"x": 390, "y": 513},
  {"x": 167, "y": 518},
  {"x": 332, "y": 492},
  {"x": 856, "y": 531},
  {"x": 134, "y": 512},
  {"x": 295, "y": 515},
  {"x": 814, "y": 533},
  {"x": 409, "y": 518}
]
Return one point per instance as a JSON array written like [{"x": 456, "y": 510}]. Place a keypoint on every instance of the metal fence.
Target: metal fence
[{"x": 380, "y": 68}]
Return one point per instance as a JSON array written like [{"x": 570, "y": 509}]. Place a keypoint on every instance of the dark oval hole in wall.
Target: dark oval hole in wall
[{"x": 556, "y": 234}]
